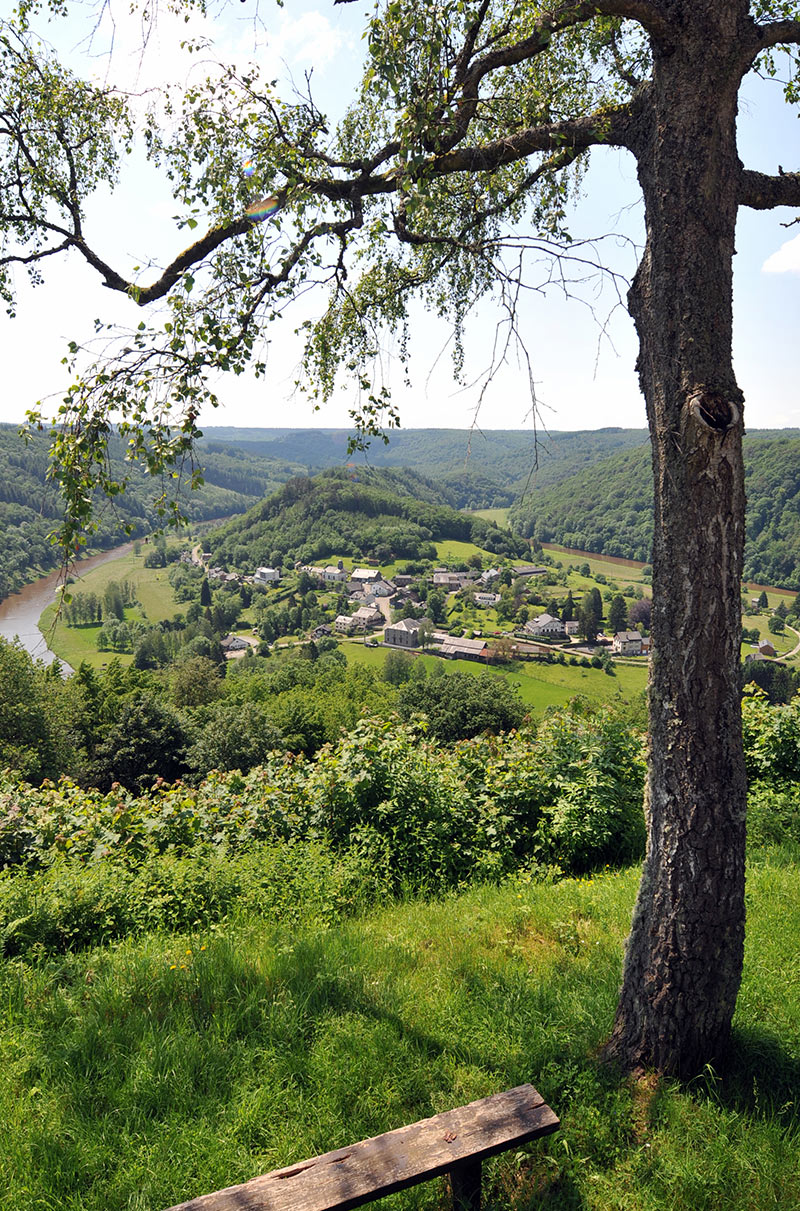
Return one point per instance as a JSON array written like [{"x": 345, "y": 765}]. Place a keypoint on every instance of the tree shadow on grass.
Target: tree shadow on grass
[
  {"x": 212, "y": 1027},
  {"x": 758, "y": 1076}
]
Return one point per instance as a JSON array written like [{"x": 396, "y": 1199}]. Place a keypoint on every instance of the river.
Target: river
[{"x": 20, "y": 613}]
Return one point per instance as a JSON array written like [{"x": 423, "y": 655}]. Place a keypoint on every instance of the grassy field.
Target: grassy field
[
  {"x": 498, "y": 516},
  {"x": 782, "y": 643},
  {"x": 452, "y": 551},
  {"x": 144, "y": 1073},
  {"x": 153, "y": 591},
  {"x": 540, "y": 685},
  {"x": 622, "y": 571}
]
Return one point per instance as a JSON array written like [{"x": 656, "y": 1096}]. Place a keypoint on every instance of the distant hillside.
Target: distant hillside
[
  {"x": 363, "y": 512},
  {"x": 608, "y": 508},
  {"x": 30, "y": 507},
  {"x": 479, "y": 470}
]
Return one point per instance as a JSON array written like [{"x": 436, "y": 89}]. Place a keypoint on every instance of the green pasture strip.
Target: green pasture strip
[
  {"x": 76, "y": 645},
  {"x": 541, "y": 685},
  {"x": 623, "y": 573},
  {"x": 154, "y": 594},
  {"x": 152, "y": 586},
  {"x": 144, "y": 1073},
  {"x": 450, "y": 550},
  {"x": 774, "y": 596},
  {"x": 498, "y": 516}
]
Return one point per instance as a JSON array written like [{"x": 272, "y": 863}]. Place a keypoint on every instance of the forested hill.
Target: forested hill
[
  {"x": 608, "y": 508},
  {"x": 30, "y": 506},
  {"x": 363, "y": 513},
  {"x": 478, "y": 470}
]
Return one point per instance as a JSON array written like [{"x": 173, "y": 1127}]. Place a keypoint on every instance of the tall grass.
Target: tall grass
[{"x": 137, "y": 1074}]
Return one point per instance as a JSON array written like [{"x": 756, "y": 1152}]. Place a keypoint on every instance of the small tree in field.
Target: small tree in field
[{"x": 459, "y": 154}]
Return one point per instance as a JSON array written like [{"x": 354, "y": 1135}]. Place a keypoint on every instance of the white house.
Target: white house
[
  {"x": 487, "y": 599},
  {"x": 627, "y": 643},
  {"x": 367, "y": 616},
  {"x": 546, "y": 624},
  {"x": 266, "y": 575},
  {"x": 403, "y": 634},
  {"x": 335, "y": 572},
  {"x": 234, "y": 643}
]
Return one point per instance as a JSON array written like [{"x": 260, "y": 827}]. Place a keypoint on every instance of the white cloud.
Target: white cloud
[
  {"x": 138, "y": 57},
  {"x": 785, "y": 260},
  {"x": 308, "y": 41}
]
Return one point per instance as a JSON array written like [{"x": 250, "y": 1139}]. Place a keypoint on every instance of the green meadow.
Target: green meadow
[
  {"x": 541, "y": 685},
  {"x": 163, "y": 1066},
  {"x": 154, "y": 594},
  {"x": 498, "y": 516},
  {"x": 622, "y": 571}
]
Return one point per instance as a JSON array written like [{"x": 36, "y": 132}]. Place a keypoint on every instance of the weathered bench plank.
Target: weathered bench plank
[{"x": 350, "y": 1177}]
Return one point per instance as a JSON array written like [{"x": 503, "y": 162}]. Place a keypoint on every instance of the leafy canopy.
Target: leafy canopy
[{"x": 446, "y": 179}]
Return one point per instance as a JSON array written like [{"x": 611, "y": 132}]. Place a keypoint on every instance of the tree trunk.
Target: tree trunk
[{"x": 684, "y": 956}]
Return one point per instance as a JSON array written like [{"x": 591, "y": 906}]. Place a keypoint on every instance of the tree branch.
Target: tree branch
[
  {"x": 612, "y": 128},
  {"x": 468, "y": 81},
  {"x": 406, "y": 236},
  {"x": 777, "y": 33},
  {"x": 192, "y": 255},
  {"x": 760, "y": 191},
  {"x": 570, "y": 137}
]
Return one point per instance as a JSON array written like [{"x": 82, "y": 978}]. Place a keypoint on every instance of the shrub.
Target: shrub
[
  {"x": 773, "y": 814},
  {"x": 771, "y": 738},
  {"x": 384, "y": 810},
  {"x": 71, "y": 905}
]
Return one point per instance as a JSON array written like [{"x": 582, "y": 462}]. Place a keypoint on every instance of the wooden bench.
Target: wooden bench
[{"x": 455, "y": 1143}]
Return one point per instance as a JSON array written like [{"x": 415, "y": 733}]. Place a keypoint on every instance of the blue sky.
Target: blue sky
[{"x": 582, "y": 350}]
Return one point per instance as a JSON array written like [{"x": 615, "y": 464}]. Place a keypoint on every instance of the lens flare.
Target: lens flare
[
  {"x": 248, "y": 168},
  {"x": 258, "y": 211}
]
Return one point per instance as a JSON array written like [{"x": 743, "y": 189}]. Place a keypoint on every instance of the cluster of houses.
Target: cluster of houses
[
  {"x": 624, "y": 643},
  {"x": 369, "y": 592},
  {"x": 409, "y": 632}
]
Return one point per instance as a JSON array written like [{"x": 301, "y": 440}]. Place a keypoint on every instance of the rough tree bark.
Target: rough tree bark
[{"x": 684, "y": 956}]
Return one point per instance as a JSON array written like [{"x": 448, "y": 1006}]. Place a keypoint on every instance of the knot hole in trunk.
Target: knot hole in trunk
[{"x": 713, "y": 410}]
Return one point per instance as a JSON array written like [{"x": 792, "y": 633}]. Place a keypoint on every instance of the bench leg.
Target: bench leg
[{"x": 465, "y": 1181}]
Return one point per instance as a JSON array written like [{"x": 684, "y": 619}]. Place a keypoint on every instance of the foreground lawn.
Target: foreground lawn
[{"x": 141, "y": 1074}]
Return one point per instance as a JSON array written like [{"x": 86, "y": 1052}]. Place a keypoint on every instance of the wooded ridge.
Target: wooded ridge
[
  {"x": 30, "y": 506},
  {"x": 365, "y": 512},
  {"x": 589, "y": 490},
  {"x": 608, "y": 508}
]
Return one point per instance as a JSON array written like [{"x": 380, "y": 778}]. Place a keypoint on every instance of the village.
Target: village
[{"x": 392, "y": 610}]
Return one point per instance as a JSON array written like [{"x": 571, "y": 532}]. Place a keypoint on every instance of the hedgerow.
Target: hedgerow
[{"x": 384, "y": 811}]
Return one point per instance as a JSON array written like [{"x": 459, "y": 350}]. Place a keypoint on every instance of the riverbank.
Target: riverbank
[{"x": 20, "y": 613}]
